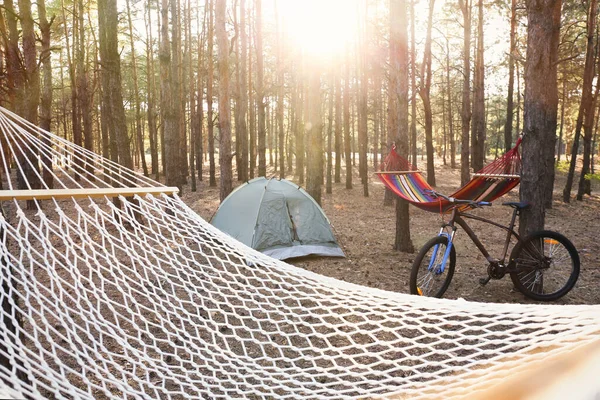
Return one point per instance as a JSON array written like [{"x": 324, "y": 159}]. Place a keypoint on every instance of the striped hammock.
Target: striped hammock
[{"x": 490, "y": 183}]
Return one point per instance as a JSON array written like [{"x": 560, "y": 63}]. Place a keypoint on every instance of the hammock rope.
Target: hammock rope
[
  {"x": 488, "y": 184},
  {"x": 98, "y": 303}
]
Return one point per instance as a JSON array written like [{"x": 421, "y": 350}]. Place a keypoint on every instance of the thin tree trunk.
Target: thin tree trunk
[
  {"x": 194, "y": 126},
  {"x": 242, "y": 130},
  {"x": 478, "y": 116},
  {"x": 338, "y": 125},
  {"x": 260, "y": 96},
  {"x": 328, "y": 185},
  {"x": 585, "y": 106},
  {"x": 511, "y": 77},
  {"x": 347, "y": 143},
  {"x": 315, "y": 137},
  {"x": 225, "y": 156},
  {"x": 136, "y": 94},
  {"x": 424, "y": 92},
  {"x": 562, "y": 116},
  {"x": 151, "y": 82},
  {"x": 252, "y": 112},
  {"x": 363, "y": 104},
  {"x": 209, "y": 99},
  {"x": 413, "y": 87},
  {"x": 280, "y": 87},
  {"x": 46, "y": 99},
  {"x": 450, "y": 114},
  {"x": 465, "y": 113}
]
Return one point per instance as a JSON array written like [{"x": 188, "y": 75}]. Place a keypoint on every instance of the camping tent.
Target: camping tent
[{"x": 277, "y": 218}]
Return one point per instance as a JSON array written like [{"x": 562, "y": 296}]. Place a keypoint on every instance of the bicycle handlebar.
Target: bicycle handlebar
[{"x": 460, "y": 201}]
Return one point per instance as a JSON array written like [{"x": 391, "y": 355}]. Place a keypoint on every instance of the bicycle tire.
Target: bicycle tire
[
  {"x": 421, "y": 264},
  {"x": 539, "y": 262}
]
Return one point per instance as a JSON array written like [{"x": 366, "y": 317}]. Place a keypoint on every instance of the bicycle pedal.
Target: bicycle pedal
[{"x": 484, "y": 281}]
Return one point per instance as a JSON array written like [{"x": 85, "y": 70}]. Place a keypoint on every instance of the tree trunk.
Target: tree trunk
[
  {"x": 194, "y": 126},
  {"x": 241, "y": 128},
  {"x": 398, "y": 109},
  {"x": 338, "y": 125},
  {"x": 260, "y": 95},
  {"x": 280, "y": 87},
  {"x": 29, "y": 97},
  {"x": 363, "y": 138},
  {"x": 478, "y": 126},
  {"x": 225, "y": 156},
  {"x": 329, "y": 178},
  {"x": 315, "y": 137},
  {"x": 585, "y": 106},
  {"x": 347, "y": 143},
  {"x": 46, "y": 99},
  {"x": 136, "y": 95},
  {"x": 511, "y": 77},
  {"x": 424, "y": 92},
  {"x": 562, "y": 115},
  {"x": 209, "y": 99},
  {"x": 169, "y": 120},
  {"x": 151, "y": 82},
  {"x": 413, "y": 87},
  {"x": 450, "y": 114},
  {"x": 465, "y": 113},
  {"x": 541, "y": 102}
]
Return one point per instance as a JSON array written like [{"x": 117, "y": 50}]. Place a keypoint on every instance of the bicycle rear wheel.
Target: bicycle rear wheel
[
  {"x": 428, "y": 276},
  {"x": 546, "y": 266}
]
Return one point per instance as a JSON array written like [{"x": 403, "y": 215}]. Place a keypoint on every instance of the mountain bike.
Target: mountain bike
[{"x": 543, "y": 265}]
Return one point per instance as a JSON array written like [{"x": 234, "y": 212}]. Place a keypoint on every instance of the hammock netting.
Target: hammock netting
[
  {"x": 142, "y": 298},
  {"x": 493, "y": 181}
]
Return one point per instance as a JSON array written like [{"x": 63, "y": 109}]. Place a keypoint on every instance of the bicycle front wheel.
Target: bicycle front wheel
[
  {"x": 545, "y": 266},
  {"x": 429, "y": 275}
]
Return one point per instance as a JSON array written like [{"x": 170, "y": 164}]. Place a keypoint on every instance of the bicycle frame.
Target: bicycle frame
[{"x": 458, "y": 217}]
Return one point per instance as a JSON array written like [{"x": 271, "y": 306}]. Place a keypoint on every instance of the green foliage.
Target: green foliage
[
  {"x": 591, "y": 177},
  {"x": 563, "y": 166}
]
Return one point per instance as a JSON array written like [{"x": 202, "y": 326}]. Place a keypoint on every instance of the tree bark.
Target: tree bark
[
  {"x": 465, "y": 113},
  {"x": 315, "y": 137},
  {"x": 46, "y": 99},
  {"x": 398, "y": 110},
  {"x": 541, "y": 103},
  {"x": 209, "y": 99},
  {"x": 413, "y": 87},
  {"x": 478, "y": 116},
  {"x": 136, "y": 94},
  {"x": 424, "y": 92},
  {"x": 242, "y": 129},
  {"x": 338, "y": 125},
  {"x": 585, "y": 106},
  {"x": 511, "y": 77},
  {"x": 363, "y": 137},
  {"x": 260, "y": 95},
  {"x": 151, "y": 82},
  {"x": 225, "y": 156},
  {"x": 450, "y": 114},
  {"x": 329, "y": 177},
  {"x": 169, "y": 121},
  {"x": 347, "y": 142}
]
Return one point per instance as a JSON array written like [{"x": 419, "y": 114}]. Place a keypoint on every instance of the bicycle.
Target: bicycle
[{"x": 543, "y": 265}]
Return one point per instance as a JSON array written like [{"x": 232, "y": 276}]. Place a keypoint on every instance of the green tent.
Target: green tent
[{"x": 277, "y": 218}]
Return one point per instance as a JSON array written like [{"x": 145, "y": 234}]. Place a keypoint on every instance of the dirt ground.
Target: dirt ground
[{"x": 365, "y": 230}]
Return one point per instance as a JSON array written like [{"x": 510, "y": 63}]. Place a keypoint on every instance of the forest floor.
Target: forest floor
[{"x": 365, "y": 230}]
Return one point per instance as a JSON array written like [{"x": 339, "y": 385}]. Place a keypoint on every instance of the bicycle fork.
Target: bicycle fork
[{"x": 450, "y": 237}]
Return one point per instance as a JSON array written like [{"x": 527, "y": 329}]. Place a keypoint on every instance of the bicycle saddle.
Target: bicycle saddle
[{"x": 519, "y": 206}]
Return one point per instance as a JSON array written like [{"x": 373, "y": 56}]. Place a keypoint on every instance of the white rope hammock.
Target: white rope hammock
[{"x": 147, "y": 300}]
